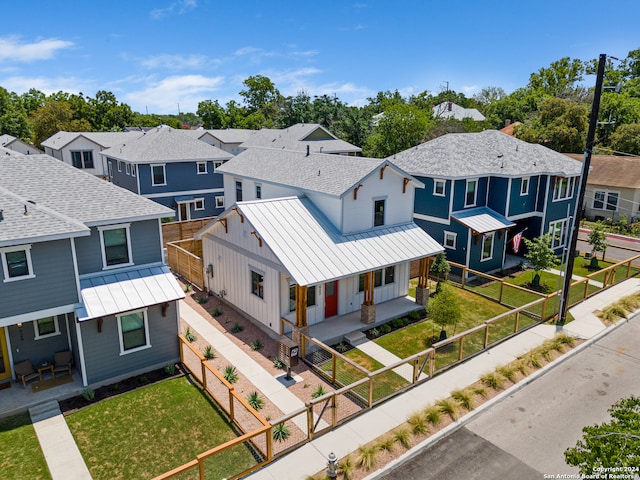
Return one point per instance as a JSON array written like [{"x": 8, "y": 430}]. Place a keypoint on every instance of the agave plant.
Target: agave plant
[
  {"x": 255, "y": 400},
  {"x": 281, "y": 432}
]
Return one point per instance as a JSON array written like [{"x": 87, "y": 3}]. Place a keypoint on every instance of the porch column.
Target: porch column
[
  {"x": 368, "y": 308},
  {"x": 301, "y": 306},
  {"x": 422, "y": 291}
]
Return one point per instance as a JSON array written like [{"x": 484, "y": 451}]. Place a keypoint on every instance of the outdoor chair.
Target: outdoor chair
[
  {"x": 62, "y": 362},
  {"x": 25, "y": 372}
]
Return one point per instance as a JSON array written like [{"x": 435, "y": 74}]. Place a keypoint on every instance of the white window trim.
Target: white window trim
[
  {"x": 552, "y": 229},
  {"x": 195, "y": 203},
  {"x": 524, "y": 191},
  {"x": 37, "y": 333},
  {"x": 110, "y": 168},
  {"x": 605, "y": 200},
  {"x": 219, "y": 202},
  {"x": 450, "y": 234},
  {"x": 258, "y": 186},
  {"x": 146, "y": 331},
  {"x": 198, "y": 168},
  {"x": 493, "y": 237},
  {"x": 5, "y": 266},
  {"x": 217, "y": 163},
  {"x": 164, "y": 174},
  {"x": 126, "y": 226},
  {"x": 127, "y": 168},
  {"x": 475, "y": 193},
  {"x": 436, "y": 181},
  {"x": 133, "y": 169},
  {"x": 571, "y": 186},
  {"x": 119, "y": 166}
]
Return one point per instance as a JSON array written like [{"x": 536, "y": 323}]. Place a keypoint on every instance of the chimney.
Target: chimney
[
  {"x": 449, "y": 106},
  {"x": 507, "y": 122},
  {"x": 307, "y": 150}
]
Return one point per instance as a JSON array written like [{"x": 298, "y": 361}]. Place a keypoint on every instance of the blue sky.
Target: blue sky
[{"x": 156, "y": 55}]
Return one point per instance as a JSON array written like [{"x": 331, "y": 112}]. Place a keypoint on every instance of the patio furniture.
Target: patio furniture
[
  {"x": 62, "y": 362},
  {"x": 25, "y": 372}
]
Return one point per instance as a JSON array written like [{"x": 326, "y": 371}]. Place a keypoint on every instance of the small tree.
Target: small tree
[
  {"x": 444, "y": 309},
  {"x": 598, "y": 241},
  {"x": 440, "y": 268},
  {"x": 613, "y": 444},
  {"x": 540, "y": 255}
]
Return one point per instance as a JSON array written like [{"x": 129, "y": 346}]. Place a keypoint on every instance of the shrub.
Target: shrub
[
  {"x": 188, "y": 288},
  {"x": 318, "y": 392},
  {"x": 433, "y": 414},
  {"x": 449, "y": 407},
  {"x": 508, "y": 372},
  {"x": 217, "y": 312},
  {"x": 521, "y": 366},
  {"x": 143, "y": 379},
  {"x": 480, "y": 391},
  {"x": 366, "y": 457},
  {"x": 279, "y": 364},
  {"x": 396, "y": 323},
  {"x": 403, "y": 437},
  {"x": 545, "y": 350},
  {"x": 236, "y": 328},
  {"x": 230, "y": 374},
  {"x": 88, "y": 394},
  {"x": 345, "y": 468},
  {"x": 208, "y": 353},
  {"x": 386, "y": 444},
  {"x": 419, "y": 423},
  {"x": 534, "y": 360},
  {"x": 464, "y": 398},
  {"x": 342, "y": 347},
  {"x": 374, "y": 332},
  {"x": 170, "y": 368},
  {"x": 384, "y": 329},
  {"x": 201, "y": 299},
  {"x": 414, "y": 315},
  {"x": 189, "y": 335},
  {"x": 255, "y": 400},
  {"x": 281, "y": 432},
  {"x": 493, "y": 380},
  {"x": 256, "y": 344},
  {"x": 115, "y": 387},
  {"x": 566, "y": 340}
]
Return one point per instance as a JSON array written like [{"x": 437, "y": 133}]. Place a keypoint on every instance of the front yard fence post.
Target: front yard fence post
[
  {"x": 515, "y": 323},
  {"x": 310, "y": 421},
  {"x": 333, "y": 367}
]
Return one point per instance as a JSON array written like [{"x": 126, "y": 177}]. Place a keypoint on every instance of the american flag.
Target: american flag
[{"x": 517, "y": 238}]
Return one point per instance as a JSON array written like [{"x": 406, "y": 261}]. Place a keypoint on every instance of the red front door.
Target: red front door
[{"x": 330, "y": 299}]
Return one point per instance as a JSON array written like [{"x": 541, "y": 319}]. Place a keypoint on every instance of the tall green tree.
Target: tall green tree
[
  {"x": 626, "y": 139},
  {"x": 560, "y": 79},
  {"x": 260, "y": 97},
  {"x": 440, "y": 268},
  {"x": 540, "y": 255},
  {"x": 610, "y": 445},
  {"x": 213, "y": 115},
  {"x": 54, "y": 116}
]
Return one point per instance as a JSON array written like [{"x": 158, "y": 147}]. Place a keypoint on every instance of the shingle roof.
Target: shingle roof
[
  {"x": 22, "y": 221},
  {"x": 313, "y": 251},
  {"x": 104, "y": 139},
  {"x": 612, "y": 170},
  {"x": 317, "y": 172},
  {"x": 467, "y": 155},
  {"x": 164, "y": 145},
  {"x": 231, "y": 135},
  {"x": 297, "y": 137},
  {"x": 73, "y": 193},
  {"x": 451, "y": 110}
]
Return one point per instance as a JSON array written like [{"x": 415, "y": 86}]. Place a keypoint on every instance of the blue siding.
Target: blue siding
[
  {"x": 436, "y": 230},
  {"x": 542, "y": 189},
  {"x": 24, "y": 346},
  {"x": 102, "y": 350},
  {"x": 520, "y": 204},
  {"x": 427, "y": 203},
  {"x": 54, "y": 283},
  {"x": 130, "y": 182},
  {"x": 180, "y": 177},
  {"x": 145, "y": 247},
  {"x": 498, "y": 188},
  {"x": 476, "y": 253},
  {"x": 210, "y": 209},
  {"x": 460, "y": 193}
]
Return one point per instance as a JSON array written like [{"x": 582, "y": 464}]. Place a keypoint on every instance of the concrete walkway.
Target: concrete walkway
[
  {"x": 58, "y": 445},
  {"x": 312, "y": 457},
  {"x": 385, "y": 357}
]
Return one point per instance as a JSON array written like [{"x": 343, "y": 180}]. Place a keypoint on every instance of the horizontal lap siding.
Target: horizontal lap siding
[
  {"x": 24, "y": 346},
  {"x": 54, "y": 283},
  {"x": 102, "y": 350}
]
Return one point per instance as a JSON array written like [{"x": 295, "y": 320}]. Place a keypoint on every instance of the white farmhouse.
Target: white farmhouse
[{"x": 311, "y": 237}]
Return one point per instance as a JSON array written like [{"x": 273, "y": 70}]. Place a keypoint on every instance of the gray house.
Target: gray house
[{"x": 82, "y": 271}]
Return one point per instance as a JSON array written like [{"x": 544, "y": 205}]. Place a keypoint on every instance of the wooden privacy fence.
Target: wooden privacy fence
[
  {"x": 185, "y": 259},
  {"x": 256, "y": 431},
  {"x": 174, "y": 231}
]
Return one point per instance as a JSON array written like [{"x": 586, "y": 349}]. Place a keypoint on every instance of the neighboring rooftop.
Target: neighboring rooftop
[
  {"x": 72, "y": 193},
  {"x": 317, "y": 172},
  {"x": 164, "y": 145},
  {"x": 612, "y": 170},
  {"x": 508, "y": 129},
  {"x": 298, "y": 137},
  {"x": 104, "y": 139},
  {"x": 467, "y": 155},
  {"x": 452, "y": 110}
]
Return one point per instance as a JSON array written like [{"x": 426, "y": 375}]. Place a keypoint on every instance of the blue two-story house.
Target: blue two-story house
[
  {"x": 172, "y": 168},
  {"x": 81, "y": 271},
  {"x": 482, "y": 189}
]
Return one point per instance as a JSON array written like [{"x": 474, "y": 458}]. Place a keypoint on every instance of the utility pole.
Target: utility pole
[{"x": 575, "y": 222}]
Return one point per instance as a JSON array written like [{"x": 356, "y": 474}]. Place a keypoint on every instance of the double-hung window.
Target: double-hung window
[
  {"x": 16, "y": 263},
  {"x": 558, "y": 231},
  {"x": 470, "y": 193},
  {"x": 563, "y": 188},
  {"x": 219, "y": 202},
  {"x": 524, "y": 186},
  {"x": 605, "y": 200},
  {"x": 133, "y": 329},
  {"x": 450, "y": 240},
  {"x": 116, "y": 246},
  {"x": 378, "y": 213},
  {"x": 487, "y": 246},
  {"x": 238, "y": 190},
  {"x": 46, "y": 327},
  {"x": 158, "y": 175},
  {"x": 439, "y": 187},
  {"x": 198, "y": 204},
  {"x": 202, "y": 168},
  {"x": 82, "y": 159}
]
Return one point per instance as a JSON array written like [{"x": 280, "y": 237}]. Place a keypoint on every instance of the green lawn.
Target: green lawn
[
  {"x": 21, "y": 454},
  {"x": 416, "y": 338},
  {"x": 155, "y": 429}
]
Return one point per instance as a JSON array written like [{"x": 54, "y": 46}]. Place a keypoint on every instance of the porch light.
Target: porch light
[{"x": 19, "y": 324}]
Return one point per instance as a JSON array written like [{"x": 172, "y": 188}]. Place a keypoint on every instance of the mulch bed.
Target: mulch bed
[{"x": 73, "y": 404}]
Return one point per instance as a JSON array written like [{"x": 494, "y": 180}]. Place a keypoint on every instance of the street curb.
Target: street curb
[
  {"x": 613, "y": 235},
  {"x": 461, "y": 422}
]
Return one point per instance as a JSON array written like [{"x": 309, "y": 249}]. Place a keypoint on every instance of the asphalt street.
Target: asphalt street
[
  {"x": 524, "y": 436},
  {"x": 613, "y": 252}
]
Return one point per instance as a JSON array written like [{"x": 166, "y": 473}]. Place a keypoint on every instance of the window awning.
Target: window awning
[
  {"x": 482, "y": 220},
  {"x": 111, "y": 293}
]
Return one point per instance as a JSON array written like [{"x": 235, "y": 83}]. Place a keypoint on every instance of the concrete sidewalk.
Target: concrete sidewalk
[{"x": 312, "y": 457}]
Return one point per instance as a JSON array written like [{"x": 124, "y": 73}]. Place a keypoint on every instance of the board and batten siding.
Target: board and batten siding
[
  {"x": 145, "y": 246},
  {"x": 103, "y": 360},
  {"x": 54, "y": 283},
  {"x": 358, "y": 214}
]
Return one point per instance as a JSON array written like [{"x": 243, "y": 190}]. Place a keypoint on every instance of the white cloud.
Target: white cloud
[
  {"x": 46, "y": 85},
  {"x": 12, "y": 49},
  {"x": 164, "y": 96},
  {"x": 176, "y": 62},
  {"x": 180, "y": 7},
  {"x": 470, "y": 89},
  {"x": 254, "y": 54}
]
